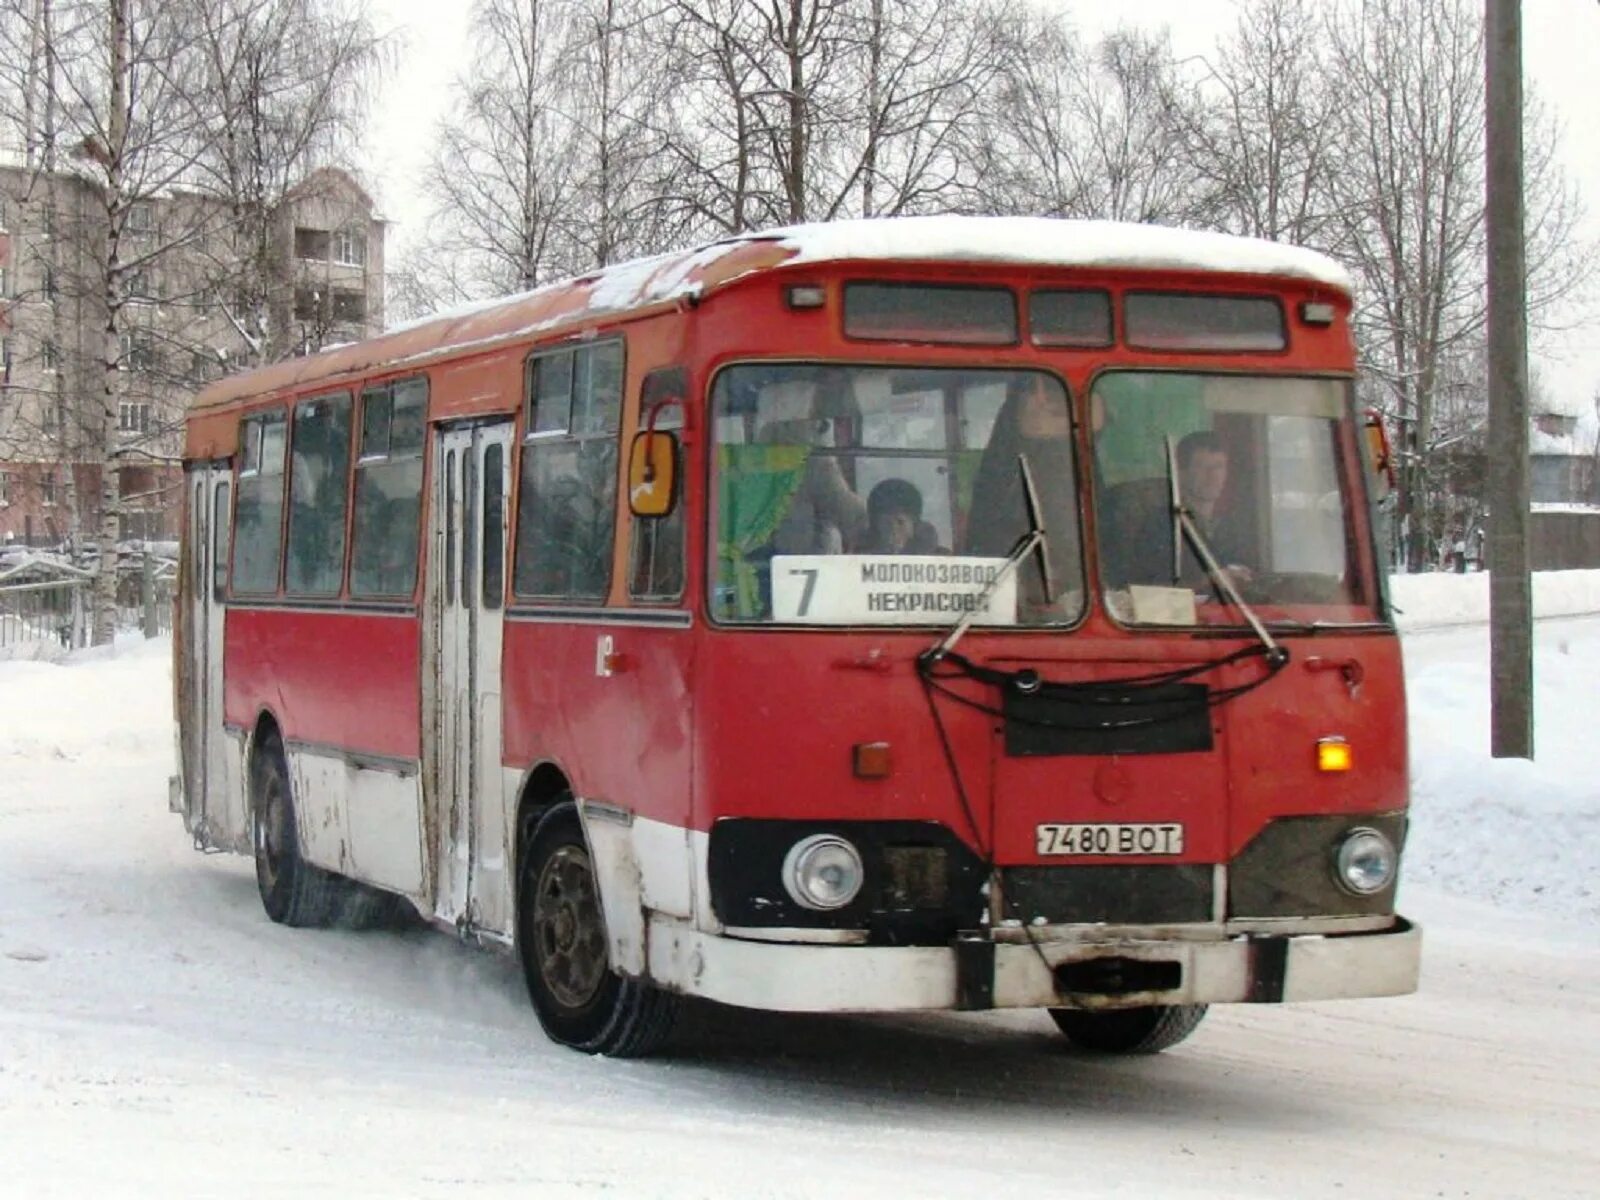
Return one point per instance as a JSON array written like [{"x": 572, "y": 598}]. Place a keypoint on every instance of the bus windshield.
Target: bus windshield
[
  {"x": 868, "y": 495},
  {"x": 1258, "y": 463}
]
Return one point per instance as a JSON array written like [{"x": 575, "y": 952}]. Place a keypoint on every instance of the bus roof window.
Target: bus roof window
[
  {"x": 1070, "y": 318},
  {"x": 921, "y": 312},
  {"x": 1182, "y": 321}
]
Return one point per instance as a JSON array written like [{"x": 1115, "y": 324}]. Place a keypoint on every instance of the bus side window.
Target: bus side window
[
  {"x": 197, "y": 529},
  {"x": 494, "y": 534},
  {"x": 566, "y": 511},
  {"x": 450, "y": 527},
  {"x": 388, "y": 508},
  {"x": 258, "y": 542},
  {"x": 655, "y": 571},
  {"x": 319, "y": 476},
  {"x": 221, "y": 526}
]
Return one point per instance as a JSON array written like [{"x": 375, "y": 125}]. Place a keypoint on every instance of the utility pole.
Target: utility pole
[{"x": 1510, "y": 586}]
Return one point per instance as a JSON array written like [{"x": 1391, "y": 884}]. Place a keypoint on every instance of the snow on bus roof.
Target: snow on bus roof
[
  {"x": 1036, "y": 241},
  {"x": 684, "y": 275},
  {"x": 1050, "y": 241}
]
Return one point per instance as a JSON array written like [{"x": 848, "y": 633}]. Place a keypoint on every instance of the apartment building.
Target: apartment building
[{"x": 199, "y": 299}]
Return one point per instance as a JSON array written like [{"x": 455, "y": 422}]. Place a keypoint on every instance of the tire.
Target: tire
[
  {"x": 292, "y": 891},
  {"x": 562, "y": 943},
  {"x": 360, "y": 906},
  {"x": 1147, "y": 1030}
]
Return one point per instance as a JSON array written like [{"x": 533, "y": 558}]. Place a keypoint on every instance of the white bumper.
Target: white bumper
[{"x": 834, "y": 978}]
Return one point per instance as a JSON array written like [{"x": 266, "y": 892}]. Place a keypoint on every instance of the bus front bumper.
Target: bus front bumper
[{"x": 979, "y": 973}]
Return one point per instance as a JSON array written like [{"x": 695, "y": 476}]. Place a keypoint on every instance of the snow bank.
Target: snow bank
[
  {"x": 1521, "y": 835},
  {"x": 1440, "y": 599},
  {"x": 88, "y": 703}
]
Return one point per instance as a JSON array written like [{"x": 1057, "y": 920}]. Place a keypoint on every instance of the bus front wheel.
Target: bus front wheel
[
  {"x": 1147, "y": 1030},
  {"x": 292, "y": 890},
  {"x": 561, "y": 940}
]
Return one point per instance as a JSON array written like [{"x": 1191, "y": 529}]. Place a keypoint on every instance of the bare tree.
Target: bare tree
[
  {"x": 1409, "y": 192},
  {"x": 915, "y": 73},
  {"x": 720, "y": 177},
  {"x": 793, "y": 110},
  {"x": 1091, "y": 131},
  {"x": 505, "y": 167},
  {"x": 159, "y": 136},
  {"x": 123, "y": 71},
  {"x": 282, "y": 88},
  {"x": 619, "y": 95},
  {"x": 46, "y": 363},
  {"x": 1260, "y": 141}
]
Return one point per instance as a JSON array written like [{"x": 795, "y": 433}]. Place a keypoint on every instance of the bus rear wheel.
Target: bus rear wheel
[
  {"x": 292, "y": 890},
  {"x": 1147, "y": 1030},
  {"x": 561, "y": 940}
]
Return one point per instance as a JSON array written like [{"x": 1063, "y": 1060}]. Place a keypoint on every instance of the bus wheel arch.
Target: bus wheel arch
[
  {"x": 565, "y": 944},
  {"x": 545, "y": 786}
]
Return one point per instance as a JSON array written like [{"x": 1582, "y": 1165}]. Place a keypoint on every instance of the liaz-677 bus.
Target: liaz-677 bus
[{"x": 946, "y": 613}]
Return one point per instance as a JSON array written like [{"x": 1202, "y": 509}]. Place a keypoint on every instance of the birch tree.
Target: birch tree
[
  {"x": 618, "y": 97},
  {"x": 282, "y": 88},
  {"x": 1409, "y": 193},
  {"x": 721, "y": 179},
  {"x": 44, "y": 371},
  {"x": 915, "y": 74},
  {"x": 123, "y": 73},
  {"x": 170, "y": 128},
  {"x": 1261, "y": 141},
  {"x": 504, "y": 170},
  {"x": 1087, "y": 130}
]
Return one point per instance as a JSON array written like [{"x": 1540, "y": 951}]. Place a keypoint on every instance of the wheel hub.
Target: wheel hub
[
  {"x": 568, "y": 929},
  {"x": 270, "y": 832}
]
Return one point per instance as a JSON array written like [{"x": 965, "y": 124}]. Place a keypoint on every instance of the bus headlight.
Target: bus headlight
[
  {"x": 822, "y": 872},
  {"x": 1365, "y": 862}
]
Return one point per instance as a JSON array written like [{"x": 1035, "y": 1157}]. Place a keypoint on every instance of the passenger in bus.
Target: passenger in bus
[
  {"x": 1202, "y": 459},
  {"x": 1034, "y": 423},
  {"x": 824, "y": 514},
  {"x": 895, "y": 524}
]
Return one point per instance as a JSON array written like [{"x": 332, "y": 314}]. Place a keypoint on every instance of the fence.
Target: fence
[
  {"x": 145, "y": 601},
  {"x": 47, "y": 602},
  {"x": 51, "y": 611},
  {"x": 1564, "y": 541}
]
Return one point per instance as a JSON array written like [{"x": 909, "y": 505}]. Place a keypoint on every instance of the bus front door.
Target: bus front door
[
  {"x": 472, "y": 474},
  {"x": 207, "y": 813}
]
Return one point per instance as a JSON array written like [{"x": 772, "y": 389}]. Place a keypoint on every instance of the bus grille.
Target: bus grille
[{"x": 1166, "y": 894}]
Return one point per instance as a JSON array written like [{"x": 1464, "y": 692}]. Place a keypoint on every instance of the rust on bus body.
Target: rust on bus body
[{"x": 549, "y": 312}]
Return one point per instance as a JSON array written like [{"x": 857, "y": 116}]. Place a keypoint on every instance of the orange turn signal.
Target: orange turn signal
[
  {"x": 1334, "y": 754},
  {"x": 871, "y": 760}
]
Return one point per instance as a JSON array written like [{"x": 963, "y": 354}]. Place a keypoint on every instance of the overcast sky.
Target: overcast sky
[{"x": 1559, "y": 41}]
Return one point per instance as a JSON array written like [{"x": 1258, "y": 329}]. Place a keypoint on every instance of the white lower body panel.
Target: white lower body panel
[
  {"x": 360, "y": 821},
  {"x": 821, "y": 978}
]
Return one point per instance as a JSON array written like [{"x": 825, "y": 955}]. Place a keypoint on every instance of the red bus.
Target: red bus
[{"x": 933, "y": 613}]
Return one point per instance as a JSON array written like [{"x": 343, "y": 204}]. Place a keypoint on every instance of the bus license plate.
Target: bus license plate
[{"x": 1165, "y": 838}]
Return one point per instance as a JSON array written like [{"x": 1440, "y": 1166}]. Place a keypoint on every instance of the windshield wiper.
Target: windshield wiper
[
  {"x": 1033, "y": 540},
  {"x": 1183, "y": 524}
]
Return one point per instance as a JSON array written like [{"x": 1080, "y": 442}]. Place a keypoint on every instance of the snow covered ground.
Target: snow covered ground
[{"x": 159, "y": 1037}]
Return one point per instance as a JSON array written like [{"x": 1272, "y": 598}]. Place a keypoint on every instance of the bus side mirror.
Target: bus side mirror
[
  {"x": 1379, "y": 455},
  {"x": 653, "y": 474}
]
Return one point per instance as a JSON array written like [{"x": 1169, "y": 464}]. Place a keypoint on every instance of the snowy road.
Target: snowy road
[{"x": 159, "y": 1037}]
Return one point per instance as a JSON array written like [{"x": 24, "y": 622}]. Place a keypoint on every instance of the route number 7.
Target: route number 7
[{"x": 810, "y": 589}]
